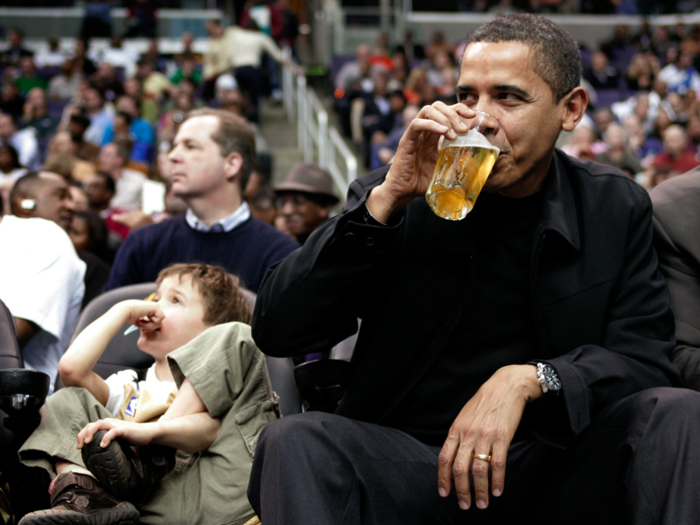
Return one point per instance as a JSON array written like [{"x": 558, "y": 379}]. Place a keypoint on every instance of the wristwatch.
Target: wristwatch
[{"x": 548, "y": 378}]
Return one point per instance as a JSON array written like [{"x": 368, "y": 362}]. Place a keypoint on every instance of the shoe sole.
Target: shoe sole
[
  {"x": 123, "y": 516},
  {"x": 109, "y": 465}
]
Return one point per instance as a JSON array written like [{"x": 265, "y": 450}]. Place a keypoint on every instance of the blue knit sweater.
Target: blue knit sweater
[{"x": 246, "y": 251}]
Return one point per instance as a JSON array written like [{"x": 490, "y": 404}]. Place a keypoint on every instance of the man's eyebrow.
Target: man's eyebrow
[
  {"x": 503, "y": 88},
  {"x": 510, "y": 88},
  {"x": 184, "y": 140}
]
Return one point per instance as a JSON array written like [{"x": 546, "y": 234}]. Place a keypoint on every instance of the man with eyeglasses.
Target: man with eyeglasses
[{"x": 304, "y": 200}]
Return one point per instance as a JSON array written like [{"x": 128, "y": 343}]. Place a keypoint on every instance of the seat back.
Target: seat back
[
  {"x": 10, "y": 355},
  {"x": 281, "y": 372},
  {"x": 121, "y": 352},
  {"x": 22, "y": 391}
]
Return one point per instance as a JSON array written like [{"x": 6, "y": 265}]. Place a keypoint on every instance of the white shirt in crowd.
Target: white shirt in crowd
[
  {"x": 128, "y": 190},
  {"x": 27, "y": 146},
  {"x": 247, "y": 47},
  {"x": 42, "y": 282}
]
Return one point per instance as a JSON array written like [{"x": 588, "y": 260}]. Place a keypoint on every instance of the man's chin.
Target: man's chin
[
  {"x": 294, "y": 227},
  {"x": 502, "y": 177},
  {"x": 494, "y": 183}
]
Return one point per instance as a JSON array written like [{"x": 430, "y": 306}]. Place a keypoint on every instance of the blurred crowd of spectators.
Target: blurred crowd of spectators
[{"x": 104, "y": 117}]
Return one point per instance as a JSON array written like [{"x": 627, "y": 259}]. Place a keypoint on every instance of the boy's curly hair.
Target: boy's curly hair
[{"x": 223, "y": 299}]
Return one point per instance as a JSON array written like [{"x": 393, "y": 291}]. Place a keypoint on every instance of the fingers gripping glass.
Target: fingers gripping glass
[{"x": 463, "y": 166}]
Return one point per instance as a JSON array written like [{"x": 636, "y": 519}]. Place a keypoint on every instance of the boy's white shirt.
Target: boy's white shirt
[{"x": 139, "y": 401}]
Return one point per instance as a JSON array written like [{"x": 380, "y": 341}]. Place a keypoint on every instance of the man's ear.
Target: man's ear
[
  {"x": 575, "y": 104},
  {"x": 232, "y": 165},
  {"x": 23, "y": 206}
]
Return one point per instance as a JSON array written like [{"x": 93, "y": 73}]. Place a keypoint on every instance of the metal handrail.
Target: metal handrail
[{"x": 319, "y": 142}]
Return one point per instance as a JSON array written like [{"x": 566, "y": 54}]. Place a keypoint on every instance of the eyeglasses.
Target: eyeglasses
[{"x": 294, "y": 199}]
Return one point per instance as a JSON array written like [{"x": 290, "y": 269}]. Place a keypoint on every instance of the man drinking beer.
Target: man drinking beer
[{"x": 512, "y": 367}]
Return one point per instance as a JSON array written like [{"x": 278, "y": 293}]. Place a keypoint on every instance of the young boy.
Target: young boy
[{"x": 207, "y": 395}]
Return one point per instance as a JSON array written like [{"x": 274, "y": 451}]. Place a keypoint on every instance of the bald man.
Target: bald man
[
  {"x": 42, "y": 282},
  {"x": 47, "y": 195}
]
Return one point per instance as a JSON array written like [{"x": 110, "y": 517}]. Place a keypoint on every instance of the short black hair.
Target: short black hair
[
  {"x": 109, "y": 181},
  {"x": 22, "y": 185},
  {"x": 13, "y": 153},
  {"x": 98, "y": 234},
  {"x": 126, "y": 117},
  {"x": 99, "y": 90},
  {"x": 557, "y": 59},
  {"x": 81, "y": 119}
]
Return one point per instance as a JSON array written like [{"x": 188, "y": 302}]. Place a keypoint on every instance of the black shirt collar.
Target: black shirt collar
[{"x": 559, "y": 213}]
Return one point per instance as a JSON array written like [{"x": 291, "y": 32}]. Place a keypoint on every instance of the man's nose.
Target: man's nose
[
  {"x": 487, "y": 124},
  {"x": 174, "y": 155},
  {"x": 287, "y": 208}
]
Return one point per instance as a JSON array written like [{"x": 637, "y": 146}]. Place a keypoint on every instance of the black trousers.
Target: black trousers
[
  {"x": 638, "y": 462},
  {"x": 250, "y": 82}
]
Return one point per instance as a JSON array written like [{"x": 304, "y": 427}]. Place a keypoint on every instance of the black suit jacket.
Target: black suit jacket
[
  {"x": 600, "y": 305},
  {"x": 677, "y": 238}
]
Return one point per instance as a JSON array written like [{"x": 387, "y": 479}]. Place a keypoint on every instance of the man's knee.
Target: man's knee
[
  {"x": 667, "y": 400},
  {"x": 296, "y": 432},
  {"x": 287, "y": 451},
  {"x": 670, "y": 411}
]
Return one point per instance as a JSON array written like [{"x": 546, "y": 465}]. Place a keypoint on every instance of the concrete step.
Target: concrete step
[{"x": 282, "y": 137}]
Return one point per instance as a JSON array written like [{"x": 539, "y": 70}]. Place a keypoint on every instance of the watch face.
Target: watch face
[{"x": 551, "y": 378}]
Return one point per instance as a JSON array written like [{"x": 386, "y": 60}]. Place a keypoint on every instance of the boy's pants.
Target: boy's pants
[{"x": 229, "y": 374}]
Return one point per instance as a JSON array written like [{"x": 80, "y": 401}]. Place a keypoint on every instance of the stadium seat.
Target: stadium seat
[
  {"x": 22, "y": 391},
  {"x": 10, "y": 356}
]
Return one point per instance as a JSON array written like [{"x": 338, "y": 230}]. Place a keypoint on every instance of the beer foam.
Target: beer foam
[{"x": 470, "y": 139}]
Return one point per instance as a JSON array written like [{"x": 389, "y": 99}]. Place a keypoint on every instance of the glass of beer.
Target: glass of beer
[{"x": 463, "y": 166}]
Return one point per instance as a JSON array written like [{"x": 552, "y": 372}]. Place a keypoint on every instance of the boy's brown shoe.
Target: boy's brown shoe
[
  {"x": 125, "y": 473},
  {"x": 78, "y": 499}
]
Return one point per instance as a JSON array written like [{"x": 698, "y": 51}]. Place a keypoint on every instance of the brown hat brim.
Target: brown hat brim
[{"x": 303, "y": 188}]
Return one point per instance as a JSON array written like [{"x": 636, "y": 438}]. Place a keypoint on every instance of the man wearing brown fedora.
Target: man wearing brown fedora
[{"x": 304, "y": 200}]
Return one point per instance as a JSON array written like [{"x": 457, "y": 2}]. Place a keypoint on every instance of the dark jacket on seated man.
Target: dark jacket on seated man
[{"x": 600, "y": 308}]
